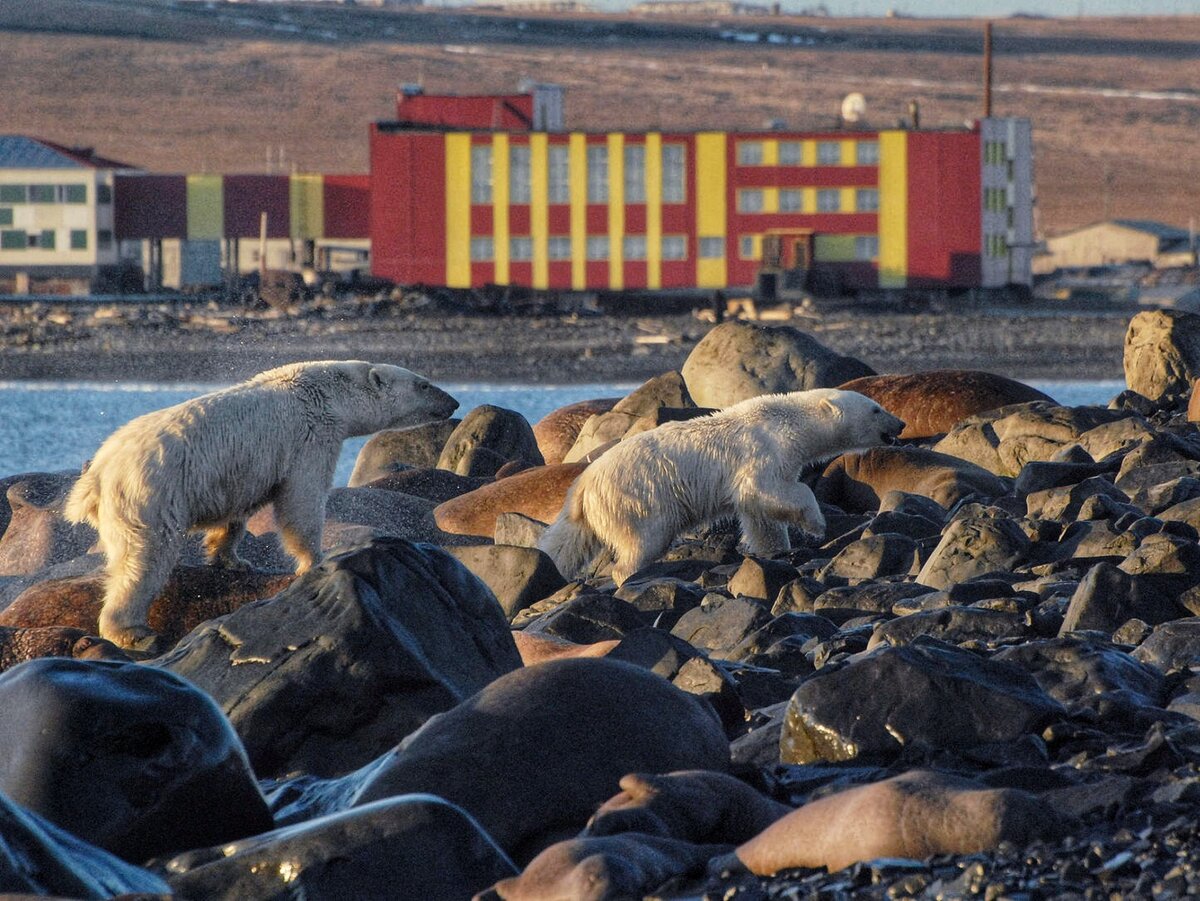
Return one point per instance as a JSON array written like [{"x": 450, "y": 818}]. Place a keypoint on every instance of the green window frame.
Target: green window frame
[
  {"x": 104, "y": 239},
  {"x": 43, "y": 194},
  {"x": 13, "y": 194},
  {"x": 79, "y": 239},
  {"x": 46, "y": 240},
  {"x": 74, "y": 193},
  {"x": 13, "y": 240},
  {"x": 6, "y": 216},
  {"x": 103, "y": 193}
]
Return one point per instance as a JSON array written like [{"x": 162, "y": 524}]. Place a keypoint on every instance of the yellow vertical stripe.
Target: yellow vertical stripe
[
  {"x": 306, "y": 200},
  {"x": 809, "y": 153},
  {"x": 710, "y": 203},
  {"x": 539, "y": 207},
  {"x": 770, "y": 200},
  {"x": 893, "y": 209},
  {"x": 654, "y": 210},
  {"x": 770, "y": 153},
  {"x": 500, "y": 186},
  {"x": 616, "y": 211},
  {"x": 849, "y": 153},
  {"x": 205, "y": 207},
  {"x": 849, "y": 202},
  {"x": 809, "y": 204},
  {"x": 577, "y": 162},
  {"x": 458, "y": 210}
]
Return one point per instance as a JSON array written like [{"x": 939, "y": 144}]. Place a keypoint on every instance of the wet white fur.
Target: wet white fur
[
  {"x": 212, "y": 461},
  {"x": 743, "y": 461}
]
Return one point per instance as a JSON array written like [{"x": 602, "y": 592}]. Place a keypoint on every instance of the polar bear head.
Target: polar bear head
[{"x": 857, "y": 421}]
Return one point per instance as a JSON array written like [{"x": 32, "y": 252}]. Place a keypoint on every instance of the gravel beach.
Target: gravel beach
[{"x": 183, "y": 343}]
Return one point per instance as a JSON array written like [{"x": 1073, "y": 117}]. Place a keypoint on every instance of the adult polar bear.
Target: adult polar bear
[
  {"x": 744, "y": 461},
  {"x": 212, "y": 461}
]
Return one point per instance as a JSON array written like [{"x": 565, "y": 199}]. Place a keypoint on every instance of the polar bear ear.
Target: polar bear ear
[
  {"x": 831, "y": 408},
  {"x": 375, "y": 379}
]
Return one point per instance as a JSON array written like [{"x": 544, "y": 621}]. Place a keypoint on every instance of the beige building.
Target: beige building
[
  {"x": 56, "y": 211},
  {"x": 1117, "y": 241}
]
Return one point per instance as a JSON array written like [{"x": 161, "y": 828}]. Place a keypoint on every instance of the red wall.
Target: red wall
[
  {"x": 247, "y": 197},
  {"x": 944, "y": 209},
  {"x": 149, "y": 206},
  {"x": 347, "y": 206},
  {"x": 408, "y": 207},
  {"x": 514, "y": 111}
]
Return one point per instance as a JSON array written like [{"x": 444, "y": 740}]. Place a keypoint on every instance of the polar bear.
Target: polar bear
[
  {"x": 744, "y": 461},
  {"x": 210, "y": 462}
]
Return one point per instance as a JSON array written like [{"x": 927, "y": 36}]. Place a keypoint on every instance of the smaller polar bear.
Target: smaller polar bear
[
  {"x": 210, "y": 462},
  {"x": 744, "y": 461}
]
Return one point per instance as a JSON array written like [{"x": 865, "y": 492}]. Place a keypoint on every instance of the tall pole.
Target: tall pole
[
  {"x": 262, "y": 252},
  {"x": 987, "y": 70}
]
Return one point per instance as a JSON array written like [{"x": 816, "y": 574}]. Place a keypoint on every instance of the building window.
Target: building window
[
  {"x": 750, "y": 200},
  {"x": 520, "y": 250},
  {"x": 597, "y": 174},
  {"x": 829, "y": 200},
  {"x": 997, "y": 246},
  {"x": 829, "y": 153},
  {"x": 635, "y": 173},
  {"x": 13, "y": 240},
  {"x": 995, "y": 200},
  {"x": 749, "y": 153},
  {"x": 597, "y": 247},
  {"x": 42, "y": 194},
  {"x": 103, "y": 193},
  {"x": 12, "y": 194},
  {"x": 518, "y": 174},
  {"x": 559, "y": 248},
  {"x": 995, "y": 153},
  {"x": 104, "y": 239},
  {"x": 673, "y": 174},
  {"x": 78, "y": 239},
  {"x": 482, "y": 250},
  {"x": 866, "y": 153},
  {"x": 560, "y": 174},
  {"x": 6, "y": 216},
  {"x": 44, "y": 241},
  {"x": 866, "y": 200},
  {"x": 73, "y": 193},
  {"x": 866, "y": 247},
  {"x": 674, "y": 247},
  {"x": 748, "y": 247},
  {"x": 790, "y": 153},
  {"x": 791, "y": 200},
  {"x": 634, "y": 247},
  {"x": 712, "y": 248},
  {"x": 481, "y": 174}
]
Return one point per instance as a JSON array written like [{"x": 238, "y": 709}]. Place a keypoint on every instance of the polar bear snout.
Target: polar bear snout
[
  {"x": 892, "y": 427},
  {"x": 440, "y": 404}
]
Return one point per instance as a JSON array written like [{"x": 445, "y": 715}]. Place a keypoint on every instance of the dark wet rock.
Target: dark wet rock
[
  {"x": 1116, "y": 438},
  {"x": 18, "y": 645},
  {"x": 856, "y": 482},
  {"x": 353, "y": 656},
  {"x": 588, "y": 618},
  {"x": 1172, "y": 646},
  {"x": 1102, "y": 600},
  {"x": 896, "y": 501},
  {"x": 965, "y": 593},
  {"x": 760, "y": 579},
  {"x": 1101, "y": 506},
  {"x": 1165, "y": 562},
  {"x": 435, "y": 485},
  {"x": 39, "y": 858},
  {"x": 517, "y": 576},
  {"x": 518, "y": 530},
  {"x": 798, "y": 626},
  {"x": 37, "y": 536},
  {"x": 381, "y": 850},
  {"x": 1162, "y": 353},
  {"x": 924, "y": 694},
  {"x": 569, "y": 728},
  {"x": 1086, "y": 540},
  {"x": 889, "y": 554},
  {"x": 664, "y": 599},
  {"x": 132, "y": 759},
  {"x": 1165, "y": 495},
  {"x": 1041, "y": 475},
  {"x": 879, "y": 597},
  {"x": 721, "y": 623},
  {"x": 503, "y": 433},
  {"x": 954, "y": 625},
  {"x": 892, "y": 522},
  {"x": 1137, "y": 482},
  {"x": 974, "y": 547},
  {"x": 394, "y": 450},
  {"x": 738, "y": 360},
  {"x": 1064, "y": 503},
  {"x": 797, "y": 596}
]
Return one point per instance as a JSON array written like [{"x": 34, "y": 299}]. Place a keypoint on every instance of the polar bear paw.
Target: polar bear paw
[{"x": 140, "y": 642}]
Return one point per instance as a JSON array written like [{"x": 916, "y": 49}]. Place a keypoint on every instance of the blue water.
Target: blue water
[{"x": 48, "y": 426}]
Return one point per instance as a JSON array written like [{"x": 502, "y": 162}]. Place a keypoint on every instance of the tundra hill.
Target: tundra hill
[{"x": 221, "y": 87}]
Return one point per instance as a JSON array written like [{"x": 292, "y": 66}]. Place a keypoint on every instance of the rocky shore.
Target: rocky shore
[
  {"x": 201, "y": 343},
  {"x": 983, "y": 680}
]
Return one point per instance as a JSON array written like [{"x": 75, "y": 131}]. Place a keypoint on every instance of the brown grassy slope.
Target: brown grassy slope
[{"x": 210, "y": 87}]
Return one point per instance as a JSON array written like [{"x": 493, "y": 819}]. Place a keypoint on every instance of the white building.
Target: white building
[{"x": 56, "y": 212}]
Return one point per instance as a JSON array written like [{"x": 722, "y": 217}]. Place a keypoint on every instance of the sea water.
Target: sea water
[{"x": 50, "y": 426}]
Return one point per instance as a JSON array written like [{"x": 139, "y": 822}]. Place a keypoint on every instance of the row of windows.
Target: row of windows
[
  {"x": 995, "y": 200},
  {"x": 17, "y": 239},
  {"x": 596, "y": 248},
  {"x": 866, "y": 247},
  {"x": 791, "y": 200},
  {"x": 52, "y": 194},
  {"x": 995, "y": 153},
  {"x": 791, "y": 153},
  {"x": 996, "y": 245},
  {"x": 520, "y": 190}
]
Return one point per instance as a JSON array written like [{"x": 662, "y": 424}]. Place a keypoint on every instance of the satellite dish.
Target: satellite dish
[{"x": 854, "y": 107}]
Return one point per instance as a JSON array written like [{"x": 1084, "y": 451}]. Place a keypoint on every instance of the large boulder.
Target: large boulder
[
  {"x": 37, "y": 536},
  {"x": 557, "y": 430},
  {"x": 739, "y": 360},
  {"x": 130, "y": 758},
  {"x": 1162, "y": 353},
  {"x": 383, "y": 850},
  {"x": 972, "y": 547},
  {"x": 933, "y": 402},
  {"x": 355, "y": 655},
  {"x": 393, "y": 450},
  {"x": 503, "y": 435},
  {"x": 925, "y": 694},
  {"x": 517, "y": 576},
  {"x": 570, "y": 728},
  {"x": 38, "y": 858},
  {"x": 537, "y": 493},
  {"x": 435, "y": 485},
  {"x": 856, "y": 482}
]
